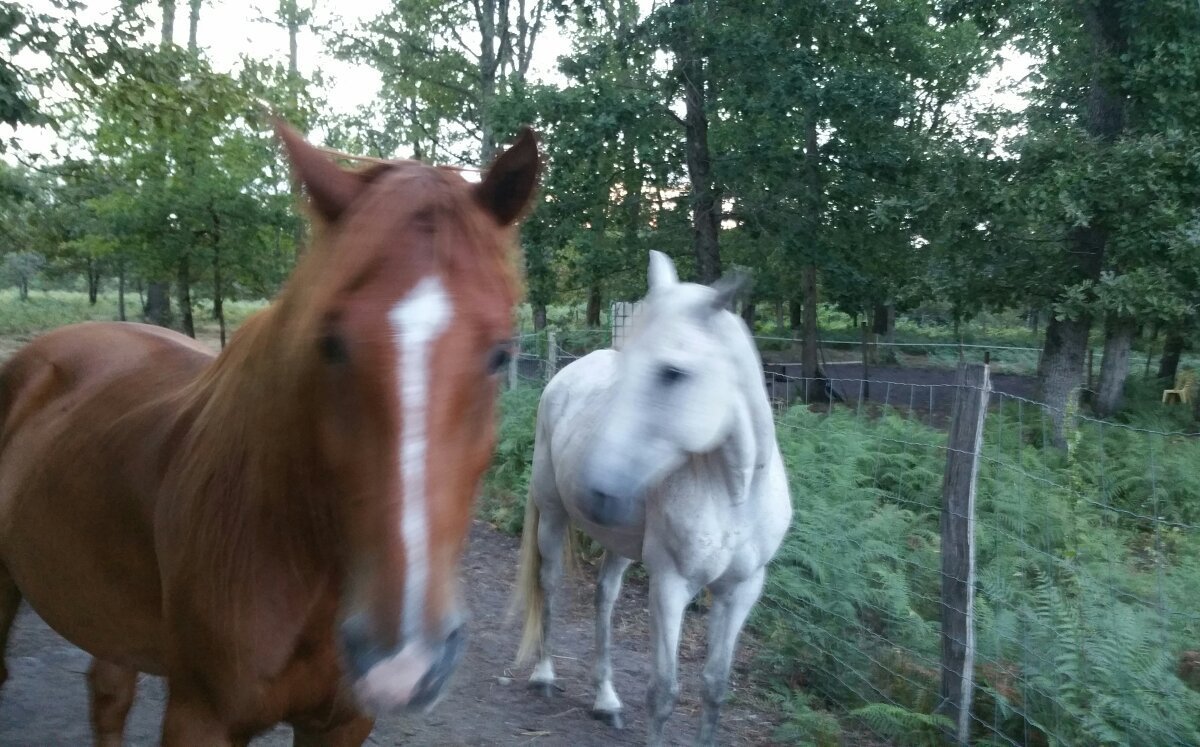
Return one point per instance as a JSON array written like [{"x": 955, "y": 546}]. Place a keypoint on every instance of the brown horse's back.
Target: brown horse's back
[{"x": 87, "y": 418}]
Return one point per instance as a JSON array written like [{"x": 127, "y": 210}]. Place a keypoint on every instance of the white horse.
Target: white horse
[{"x": 663, "y": 452}]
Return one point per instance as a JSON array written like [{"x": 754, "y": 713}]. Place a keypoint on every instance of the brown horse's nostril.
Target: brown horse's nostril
[
  {"x": 435, "y": 679},
  {"x": 359, "y": 646},
  {"x": 409, "y": 675}
]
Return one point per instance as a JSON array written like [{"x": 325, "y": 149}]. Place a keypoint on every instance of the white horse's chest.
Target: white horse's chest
[{"x": 703, "y": 535}]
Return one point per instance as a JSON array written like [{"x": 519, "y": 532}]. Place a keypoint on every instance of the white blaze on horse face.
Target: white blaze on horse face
[{"x": 417, "y": 321}]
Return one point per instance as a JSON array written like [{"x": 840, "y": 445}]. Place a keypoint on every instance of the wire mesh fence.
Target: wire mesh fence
[
  {"x": 1085, "y": 603},
  {"x": 842, "y": 352}
]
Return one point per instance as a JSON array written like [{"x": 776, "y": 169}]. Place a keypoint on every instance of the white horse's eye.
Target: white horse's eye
[{"x": 671, "y": 375}]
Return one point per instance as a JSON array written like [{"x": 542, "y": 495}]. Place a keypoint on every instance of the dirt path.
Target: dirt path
[{"x": 44, "y": 701}]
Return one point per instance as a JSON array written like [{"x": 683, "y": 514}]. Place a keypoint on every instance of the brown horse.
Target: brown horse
[{"x": 276, "y": 530}]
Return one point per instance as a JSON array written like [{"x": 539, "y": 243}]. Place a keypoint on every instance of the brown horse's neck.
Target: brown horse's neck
[{"x": 249, "y": 475}]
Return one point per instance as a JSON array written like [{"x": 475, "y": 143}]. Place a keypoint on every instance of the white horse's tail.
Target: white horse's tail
[
  {"x": 529, "y": 585},
  {"x": 529, "y": 593}
]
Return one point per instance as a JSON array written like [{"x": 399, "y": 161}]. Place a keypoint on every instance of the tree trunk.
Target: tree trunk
[
  {"x": 93, "y": 278},
  {"x": 23, "y": 288},
  {"x": 193, "y": 24},
  {"x": 809, "y": 363},
  {"x": 1066, "y": 341},
  {"x": 218, "y": 280},
  {"x": 1168, "y": 365},
  {"x": 157, "y": 306},
  {"x": 157, "y": 309},
  {"x": 1062, "y": 371},
  {"x": 539, "y": 316},
  {"x": 796, "y": 315},
  {"x": 593, "y": 306},
  {"x": 184, "y": 283},
  {"x": 706, "y": 204},
  {"x": 814, "y": 202},
  {"x": 749, "y": 310},
  {"x": 293, "y": 22},
  {"x": 1114, "y": 366},
  {"x": 879, "y": 319},
  {"x": 489, "y": 63},
  {"x": 168, "y": 22},
  {"x": 121, "y": 289}
]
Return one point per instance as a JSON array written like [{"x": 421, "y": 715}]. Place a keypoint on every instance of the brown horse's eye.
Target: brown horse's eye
[
  {"x": 498, "y": 358},
  {"x": 333, "y": 349}
]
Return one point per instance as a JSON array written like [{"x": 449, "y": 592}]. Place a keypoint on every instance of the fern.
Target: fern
[
  {"x": 1088, "y": 577},
  {"x": 903, "y": 725},
  {"x": 803, "y": 725}
]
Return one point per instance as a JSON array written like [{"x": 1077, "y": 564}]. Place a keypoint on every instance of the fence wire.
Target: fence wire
[{"x": 1087, "y": 587}]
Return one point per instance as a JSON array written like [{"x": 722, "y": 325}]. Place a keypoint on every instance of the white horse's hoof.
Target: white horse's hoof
[{"x": 612, "y": 718}]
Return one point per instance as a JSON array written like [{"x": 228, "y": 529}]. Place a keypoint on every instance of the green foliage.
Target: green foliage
[
  {"x": 49, "y": 309},
  {"x": 506, "y": 484},
  {"x": 901, "y": 724},
  {"x": 20, "y": 268},
  {"x": 50, "y": 46},
  {"x": 805, "y": 726},
  {"x": 1104, "y": 671},
  {"x": 1082, "y": 610},
  {"x": 1088, "y": 568}
]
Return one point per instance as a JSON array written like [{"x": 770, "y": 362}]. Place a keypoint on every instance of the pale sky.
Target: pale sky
[{"x": 228, "y": 29}]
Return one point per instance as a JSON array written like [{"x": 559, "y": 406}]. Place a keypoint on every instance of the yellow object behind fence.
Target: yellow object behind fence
[{"x": 1185, "y": 382}]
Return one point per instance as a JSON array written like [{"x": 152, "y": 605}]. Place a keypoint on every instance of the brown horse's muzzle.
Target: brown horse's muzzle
[{"x": 410, "y": 675}]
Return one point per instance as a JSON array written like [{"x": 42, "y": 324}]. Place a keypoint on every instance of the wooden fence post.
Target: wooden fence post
[
  {"x": 866, "y": 363},
  {"x": 551, "y": 355},
  {"x": 958, "y": 547},
  {"x": 514, "y": 361}
]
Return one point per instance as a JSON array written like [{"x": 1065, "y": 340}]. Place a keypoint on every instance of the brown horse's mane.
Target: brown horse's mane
[{"x": 250, "y": 457}]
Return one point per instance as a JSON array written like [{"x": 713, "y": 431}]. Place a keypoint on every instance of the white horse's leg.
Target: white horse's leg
[
  {"x": 669, "y": 595},
  {"x": 730, "y": 608},
  {"x": 551, "y": 536},
  {"x": 607, "y": 707}
]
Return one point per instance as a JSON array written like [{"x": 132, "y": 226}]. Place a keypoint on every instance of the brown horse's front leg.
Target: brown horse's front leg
[
  {"x": 191, "y": 722},
  {"x": 350, "y": 733},
  {"x": 111, "y": 688}
]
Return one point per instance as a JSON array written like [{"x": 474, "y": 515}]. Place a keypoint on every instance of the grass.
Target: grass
[{"x": 47, "y": 309}]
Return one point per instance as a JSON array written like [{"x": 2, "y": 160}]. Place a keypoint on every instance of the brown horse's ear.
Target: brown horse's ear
[
  {"x": 330, "y": 187},
  {"x": 507, "y": 187}
]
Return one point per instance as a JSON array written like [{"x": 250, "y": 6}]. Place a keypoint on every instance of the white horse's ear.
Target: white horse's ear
[
  {"x": 728, "y": 287},
  {"x": 662, "y": 271}
]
